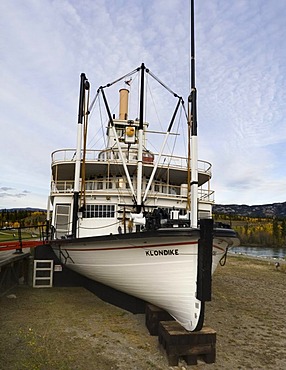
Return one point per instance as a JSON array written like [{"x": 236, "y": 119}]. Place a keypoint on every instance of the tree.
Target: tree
[
  {"x": 283, "y": 231},
  {"x": 275, "y": 231}
]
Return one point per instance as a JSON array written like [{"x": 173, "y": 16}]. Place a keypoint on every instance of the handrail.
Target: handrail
[
  {"x": 19, "y": 239},
  {"x": 109, "y": 155},
  {"x": 103, "y": 186}
]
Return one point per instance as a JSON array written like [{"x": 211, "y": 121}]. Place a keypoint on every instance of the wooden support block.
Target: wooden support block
[
  {"x": 178, "y": 342},
  {"x": 153, "y": 315}
]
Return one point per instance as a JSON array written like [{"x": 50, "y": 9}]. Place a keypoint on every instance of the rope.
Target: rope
[
  {"x": 176, "y": 136},
  {"x": 93, "y": 102},
  {"x": 222, "y": 261},
  {"x": 100, "y": 227},
  {"x": 121, "y": 78},
  {"x": 133, "y": 72},
  {"x": 162, "y": 84}
]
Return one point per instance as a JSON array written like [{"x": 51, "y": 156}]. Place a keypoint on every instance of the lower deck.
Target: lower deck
[{"x": 106, "y": 213}]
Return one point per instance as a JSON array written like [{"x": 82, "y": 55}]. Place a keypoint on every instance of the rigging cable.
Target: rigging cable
[
  {"x": 222, "y": 261},
  {"x": 121, "y": 78},
  {"x": 93, "y": 101},
  {"x": 162, "y": 84}
]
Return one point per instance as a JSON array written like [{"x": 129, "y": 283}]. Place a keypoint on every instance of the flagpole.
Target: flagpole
[{"x": 193, "y": 122}]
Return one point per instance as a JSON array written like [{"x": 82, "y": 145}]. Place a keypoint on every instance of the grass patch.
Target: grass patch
[{"x": 12, "y": 235}]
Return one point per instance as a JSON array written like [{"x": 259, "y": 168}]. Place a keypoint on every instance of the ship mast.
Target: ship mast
[
  {"x": 140, "y": 142},
  {"x": 84, "y": 85},
  {"x": 193, "y": 124}
]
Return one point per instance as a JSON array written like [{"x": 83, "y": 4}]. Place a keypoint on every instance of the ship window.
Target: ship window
[
  {"x": 157, "y": 187},
  {"x": 99, "y": 211},
  {"x": 62, "y": 218},
  {"x": 120, "y": 132},
  {"x": 119, "y": 182},
  {"x": 99, "y": 182},
  {"x": 109, "y": 183}
]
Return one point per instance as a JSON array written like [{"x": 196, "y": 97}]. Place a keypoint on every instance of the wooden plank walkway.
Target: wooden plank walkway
[{"x": 12, "y": 269}]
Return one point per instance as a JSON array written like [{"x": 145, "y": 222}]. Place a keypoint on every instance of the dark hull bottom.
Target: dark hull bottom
[{"x": 70, "y": 278}]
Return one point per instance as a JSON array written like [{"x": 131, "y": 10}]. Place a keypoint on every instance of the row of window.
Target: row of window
[
  {"x": 121, "y": 183},
  {"x": 99, "y": 211}
]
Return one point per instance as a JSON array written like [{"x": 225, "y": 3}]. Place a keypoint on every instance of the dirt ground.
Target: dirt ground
[{"x": 70, "y": 328}]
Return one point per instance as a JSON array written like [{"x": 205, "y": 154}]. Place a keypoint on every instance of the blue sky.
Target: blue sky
[{"x": 241, "y": 82}]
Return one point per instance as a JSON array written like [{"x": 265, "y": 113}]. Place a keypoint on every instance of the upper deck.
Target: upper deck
[{"x": 102, "y": 163}]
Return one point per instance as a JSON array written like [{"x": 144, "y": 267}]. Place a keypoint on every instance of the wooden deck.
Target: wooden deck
[{"x": 12, "y": 270}]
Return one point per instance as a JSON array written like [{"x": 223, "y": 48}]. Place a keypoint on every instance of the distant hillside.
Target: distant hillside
[
  {"x": 265, "y": 210},
  {"x": 28, "y": 209}
]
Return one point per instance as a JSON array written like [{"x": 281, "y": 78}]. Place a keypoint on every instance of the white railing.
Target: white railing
[
  {"x": 113, "y": 187},
  {"x": 110, "y": 155}
]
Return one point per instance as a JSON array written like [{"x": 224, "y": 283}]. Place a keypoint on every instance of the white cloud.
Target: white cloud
[{"x": 240, "y": 78}]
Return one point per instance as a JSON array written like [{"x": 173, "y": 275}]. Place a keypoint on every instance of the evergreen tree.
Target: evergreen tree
[
  {"x": 283, "y": 231},
  {"x": 276, "y": 231}
]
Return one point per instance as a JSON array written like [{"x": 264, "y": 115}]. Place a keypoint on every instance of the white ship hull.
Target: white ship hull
[{"x": 158, "y": 270}]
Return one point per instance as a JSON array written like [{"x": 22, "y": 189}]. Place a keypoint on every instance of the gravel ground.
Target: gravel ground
[{"x": 70, "y": 328}]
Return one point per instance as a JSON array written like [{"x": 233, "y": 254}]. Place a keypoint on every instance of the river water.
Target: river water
[{"x": 265, "y": 252}]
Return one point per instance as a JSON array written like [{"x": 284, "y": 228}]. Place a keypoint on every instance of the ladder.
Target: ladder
[{"x": 43, "y": 273}]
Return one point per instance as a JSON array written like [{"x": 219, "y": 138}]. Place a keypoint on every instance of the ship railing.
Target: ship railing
[
  {"x": 17, "y": 237},
  {"x": 62, "y": 186},
  {"x": 111, "y": 155},
  {"x": 121, "y": 186},
  {"x": 205, "y": 195}
]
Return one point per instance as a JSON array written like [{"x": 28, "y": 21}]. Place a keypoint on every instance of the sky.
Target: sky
[{"x": 240, "y": 76}]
